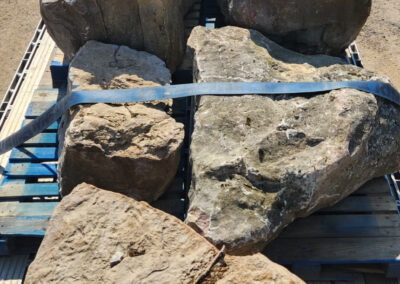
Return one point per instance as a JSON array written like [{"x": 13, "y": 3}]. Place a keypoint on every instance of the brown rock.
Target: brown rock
[
  {"x": 133, "y": 148},
  {"x": 250, "y": 269},
  {"x": 97, "y": 236},
  {"x": 155, "y": 26}
]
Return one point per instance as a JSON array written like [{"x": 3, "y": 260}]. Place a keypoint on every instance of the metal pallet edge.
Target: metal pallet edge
[{"x": 19, "y": 75}]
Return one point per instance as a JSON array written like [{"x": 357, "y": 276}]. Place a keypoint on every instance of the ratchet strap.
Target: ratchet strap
[{"x": 379, "y": 89}]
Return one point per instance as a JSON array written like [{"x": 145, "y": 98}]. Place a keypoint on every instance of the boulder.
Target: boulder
[
  {"x": 98, "y": 236},
  {"x": 131, "y": 148},
  {"x": 311, "y": 26},
  {"x": 155, "y": 26},
  {"x": 259, "y": 162}
]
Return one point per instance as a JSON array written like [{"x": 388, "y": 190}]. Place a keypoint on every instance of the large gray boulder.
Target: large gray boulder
[
  {"x": 97, "y": 236},
  {"x": 308, "y": 26},
  {"x": 259, "y": 162},
  {"x": 131, "y": 148},
  {"x": 155, "y": 26}
]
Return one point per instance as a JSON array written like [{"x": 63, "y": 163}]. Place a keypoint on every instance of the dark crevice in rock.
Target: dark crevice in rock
[{"x": 102, "y": 20}]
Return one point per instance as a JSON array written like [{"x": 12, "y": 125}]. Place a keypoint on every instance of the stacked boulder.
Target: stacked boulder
[
  {"x": 155, "y": 26},
  {"x": 259, "y": 162},
  {"x": 132, "y": 148},
  {"x": 307, "y": 26}
]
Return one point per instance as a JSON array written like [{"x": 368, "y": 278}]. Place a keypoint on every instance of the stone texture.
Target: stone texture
[
  {"x": 310, "y": 26},
  {"x": 98, "y": 236},
  {"x": 132, "y": 148},
  {"x": 250, "y": 269},
  {"x": 155, "y": 26},
  {"x": 259, "y": 162}
]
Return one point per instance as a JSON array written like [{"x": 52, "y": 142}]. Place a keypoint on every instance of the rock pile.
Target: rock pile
[
  {"x": 259, "y": 162},
  {"x": 312, "y": 26},
  {"x": 97, "y": 236},
  {"x": 154, "y": 26},
  {"x": 133, "y": 148}
]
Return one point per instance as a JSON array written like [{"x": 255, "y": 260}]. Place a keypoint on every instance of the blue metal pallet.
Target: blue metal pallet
[{"x": 29, "y": 190}]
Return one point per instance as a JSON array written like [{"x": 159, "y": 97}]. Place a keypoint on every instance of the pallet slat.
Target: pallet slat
[
  {"x": 375, "y": 186},
  {"x": 42, "y": 139},
  {"x": 335, "y": 250},
  {"x": 26, "y": 209},
  {"x": 35, "y": 109},
  {"x": 52, "y": 128},
  {"x": 33, "y": 154},
  {"x": 355, "y": 204},
  {"x": 22, "y": 190},
  {"x": 24, "y": 170},
  {"x": 24, "y": 226},
  {"x": 323, "y": 226},
  {"x": 46, "y": 95}
]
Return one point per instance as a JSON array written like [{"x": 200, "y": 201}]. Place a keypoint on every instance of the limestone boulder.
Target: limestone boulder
[
  {"x": 131, "y": 148},
  {"x": 155, "y": 26},
  {"x": 310, "y": 26},
  {"x": 259, "y": 162},
  {"x": 98, "y": 236}
]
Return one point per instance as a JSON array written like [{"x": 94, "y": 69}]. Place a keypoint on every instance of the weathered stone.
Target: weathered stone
[
  {"x": 132, "y": 148},
  {"x": 311, "y": 26},
  {"x": 250, "y": 269},
  {"x": 259, "y": 162},
  {"x": 92, "y": 226},
  {"x": 155, "y": 26}
]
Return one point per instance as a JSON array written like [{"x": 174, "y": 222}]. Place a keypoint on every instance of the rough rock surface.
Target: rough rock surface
[
  {"x": 250, "y": 269},
  {"x": 155, "y": 26},
  {"x": 132, "y": 148},
  {"x": 311, "y": 26},
  {"x": 97, "y": 236},
  {"x": 259, "y": 162}
]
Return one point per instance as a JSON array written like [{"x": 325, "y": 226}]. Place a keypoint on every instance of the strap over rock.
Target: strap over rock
[{"x": 380, "y": 89}]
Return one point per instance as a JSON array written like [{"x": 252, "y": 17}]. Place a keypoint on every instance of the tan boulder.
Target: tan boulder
[
  {"x": 98, "y": 236},
  {"x": 131, "y": 148}
]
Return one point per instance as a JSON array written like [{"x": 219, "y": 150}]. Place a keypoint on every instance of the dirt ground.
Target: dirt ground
[
  {"x": 379, "y": 41},
  {"x": 18, "y": 21}
]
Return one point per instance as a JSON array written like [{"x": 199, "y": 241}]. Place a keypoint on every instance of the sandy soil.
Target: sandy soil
[
  {"x": 379, "y": 41},
  {"x": 18, "y": 21}
]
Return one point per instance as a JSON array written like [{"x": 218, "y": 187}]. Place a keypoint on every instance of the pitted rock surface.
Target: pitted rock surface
[{"x": 259, "y": 162}]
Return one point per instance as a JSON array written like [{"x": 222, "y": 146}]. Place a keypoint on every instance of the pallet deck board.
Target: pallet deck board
[
  {"x": 335, "y": 250},
  {"x": 42, "y": 140},
  {"x": 33, "y": 154},
  {"x": 374, "y": 186},
  {"x": 381, "y": 203},
  {"x": 35, "y": 109},
  {"x": 27, "y": 209},
  {"x": 24, "y": 226},
  {"x": 23, "y": 170},
  {"x": 52, "y": 128},
  {"x": 324, "y": 226},
  {"x": 23, "y": 190},
  {"x": 46, "y": 95}
]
